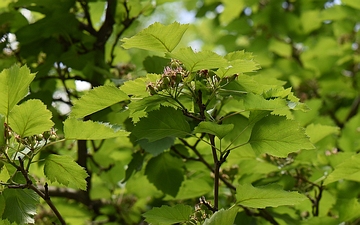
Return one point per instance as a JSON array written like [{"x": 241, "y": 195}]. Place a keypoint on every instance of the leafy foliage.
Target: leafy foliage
[{"x": 246, "y": 115}]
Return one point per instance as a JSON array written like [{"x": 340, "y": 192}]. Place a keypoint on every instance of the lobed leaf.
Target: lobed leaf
[
  {"x": 194, "y": 61},
  {"x": 278, "y": 136},
  {"x": 30, "y": 118},
  {"x": 165, "y": 122},
  {"x": 20, "y": 205},
  {"x": 349, "y": 169},
  {"x": 157, "y": 37},
  {"x": 90, "y": 130},
  {"x": 168, "y": 214},
  {"x": 271, "y": 195},
  {"x": 14, "y": 86},
  {"x": 97, "y": 99},
  {"x": 219, "y": 130},
  {"x": 165, "y": 172},
  {"x": 65, "y": 170}
]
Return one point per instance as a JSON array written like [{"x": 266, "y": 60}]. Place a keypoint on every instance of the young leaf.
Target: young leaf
[
  {"x": 168, "y": 215},
  {"x": 90, "y": 130},
  {"x": 349, "y": 170},
  {"x": 14, "y": 86},
  {"x": 20, "y": 205},
  {"x": 97, "y": 99},
  {"x": 30, "y": 118},
  {"x": 223, "y": 217},
  {"x": 157, "y": 37},
  {"x": 65, "y": 170},
  {"x": 271, "y": 195},
  {"x": 194, "y": 61},
  {"x": 165, "y": 172},
  {"x": 137, "y": 87},
  {"x": 278, "y": 136},
  {"x": 165, "y": 122},
  {"x": 219, "y": 130}
]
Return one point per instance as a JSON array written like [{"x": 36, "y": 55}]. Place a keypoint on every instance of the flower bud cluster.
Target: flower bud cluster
[
  {"x": 34, "y": 140},
  {"x": 171, "y": 78}
]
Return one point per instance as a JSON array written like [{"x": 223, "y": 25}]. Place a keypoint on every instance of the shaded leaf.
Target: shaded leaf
[
  {"x": 90, "y": 130},
  {"x": 194, "y": 61},
  {"x": 219, "y": 130},
  {"x": 30, "y": 118},
  {"x": 135, "y": 165},
  {"x": 97, "y": 99},
  {"x": 65, "y": 170},
  {"x": 168, "y": 215},
  {"x": 278, "y": 136},
  {"x": 14, "y": 86},
  {"x": 165, "y": 122},
  {"x": 223, "y": 217},
  {"x": 165, "y": 172},
  {"x": 349, "y": 169},
  {"x": 157, "y": 37},
  {"x": 156, "y": 147},
  {"x": 271, "y": 195},
  {"x": 20, "y": 205}
]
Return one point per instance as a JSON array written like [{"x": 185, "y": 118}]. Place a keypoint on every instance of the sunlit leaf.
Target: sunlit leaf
[
  {"x": 223, "y": 217},
  {"x": 65, "y": 170},
  {"x": 194, "y": 61},
  {"x": 219, "y": 130},
  {"x": 165, "y": 172},
  {"x": 14, "y": 86},
  {"x": 157, "y": 37},
  {"x": 2, "y": 132},
  {"x": 137, "y": 87},
  {"x": 316, "y": 132},
  {"x": 90, "y": 130},
  {"x": 165, "y": 122},
  {"x": 20, "y": 205},
  {"x": 168, "y": 215},
  {"x": 257, "y": 102},
  {"x": 97, "y": 99},
  {"x": 349, "y": 169},
  {"x": 278, "y": 136},
  {"x": 30, "y": 118},
  {"x": 271, "y": 195}
]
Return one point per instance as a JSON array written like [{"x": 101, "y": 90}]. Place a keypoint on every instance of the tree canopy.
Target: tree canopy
[{"x": 179, "y": 112}]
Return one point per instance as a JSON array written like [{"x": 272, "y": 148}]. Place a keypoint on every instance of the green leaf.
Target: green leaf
[
  {"x": 239, "y": 62},
  {"x": 271, "y": 195},
  {"x": 2, "y": 132},
  {"x": 351, "y": 3},
  {"x": 165, "y": 172},
  {"x": 97, "y": 99},
  {"x": 157, "y": 37},
  {"x": 168, "y": 215},
  {"x": 316, "y": 132},
  {"x": 257, "y": 102},
  {"x": 156, "y": 147},
  {"x": 194, "y": 61},
  {"x": 30, "y": 118},
  {"x": 223, "y": 217},
  {"x": 349, "y": 169},
  {"x": 90, "y": 130},
  {"x": 20, "y": 205},
  {"x": 65, "y": 170},
  {"x": 137, "y": 87},
  {"x": 165, "y": 122},
  {"x": 14, "y": 86},
  {"x": 350, "y": 137},
  {"x": 278, "y": 136},
  {"x": 219, "y": 130}
]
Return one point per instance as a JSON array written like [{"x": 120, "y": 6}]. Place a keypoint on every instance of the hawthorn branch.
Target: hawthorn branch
[{"x": 29, "y": 185}]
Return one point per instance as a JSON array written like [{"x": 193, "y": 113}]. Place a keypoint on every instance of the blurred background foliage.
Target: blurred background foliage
[{"x": 73, "y": 45}]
